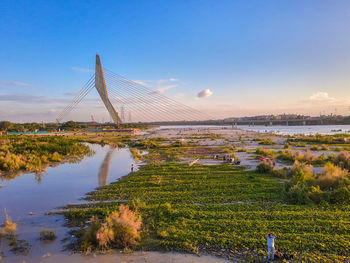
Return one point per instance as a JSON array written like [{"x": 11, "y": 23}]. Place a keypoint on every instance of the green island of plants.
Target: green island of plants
[{"x": 35, "y": 153}]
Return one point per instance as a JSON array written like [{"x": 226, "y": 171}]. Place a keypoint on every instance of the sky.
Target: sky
[{"x": 226, "y": 58}]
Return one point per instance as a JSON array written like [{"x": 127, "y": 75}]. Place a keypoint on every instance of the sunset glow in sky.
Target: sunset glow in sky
[{"x": 227, "y": 58}]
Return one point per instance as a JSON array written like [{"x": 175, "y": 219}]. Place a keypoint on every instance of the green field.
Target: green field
[{"x": 218, "y": 207}]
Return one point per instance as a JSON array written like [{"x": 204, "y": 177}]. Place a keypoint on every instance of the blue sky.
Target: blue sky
[{"x": 255, "y": 57}]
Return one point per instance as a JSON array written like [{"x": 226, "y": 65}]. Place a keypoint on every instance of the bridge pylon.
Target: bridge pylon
[{"x": 100, "y": 85}]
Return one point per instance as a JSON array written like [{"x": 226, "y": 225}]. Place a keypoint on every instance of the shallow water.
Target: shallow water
[
  {"x": 59, "y": 186},
  {"x": 291, "y": 130},
  {"x": 284, "y": 130}
]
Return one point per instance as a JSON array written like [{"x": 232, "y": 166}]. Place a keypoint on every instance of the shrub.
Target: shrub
[
  {"x": 47, "y": 234},
  {"x": 296, "y": 194},
  {"x": 286, "y": 155},
  {"x": 302, "y": 173},
  {"x": 315, "y": 194},
  {"x": 120, "y": 230},
  {"x": 340, "y": 195},
  {"x": 265, "y": 166},
  {"x": 343, "y": 160},
  {"x": 281, "y": 173},
  {"x": 307, "y": 156},
  {"x": 332, "y": 185},
  {"x": 331, "y": 177},
  {"x": 322, "y": 147},
  {"x": 179, "y": 143},
  {"x": 265, "y": 152},
  {"x": 267, "y": 141},
  {"x": 88, "y": 240}
]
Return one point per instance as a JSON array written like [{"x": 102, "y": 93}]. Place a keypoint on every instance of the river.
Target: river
[
  {"x": 28, "y": 197},
  {"x": 284, "y": 130},
  {"x": 292, "y": 130}
]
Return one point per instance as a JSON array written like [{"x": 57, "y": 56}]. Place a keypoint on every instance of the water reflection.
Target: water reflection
[
  {"x": 27, "y": 198},
  {"x": 103, "y": 171}
]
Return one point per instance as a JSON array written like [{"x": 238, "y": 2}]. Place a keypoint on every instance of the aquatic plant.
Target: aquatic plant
[
  {"x": 136, "y": 154},
  {"x": 47, "y": 234},
  {"x": 9, "y": 227}
]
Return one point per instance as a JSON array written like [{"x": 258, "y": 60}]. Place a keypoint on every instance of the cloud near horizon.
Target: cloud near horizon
[
  {"x": 322, "y": 96},
  {"x": 205, "y": 93},
  {"x": 28, "y": 98},
  {"x": 324, "y": 99},
  {"x": 16, "y": 83},
  {"x": 81, "y": 69}
]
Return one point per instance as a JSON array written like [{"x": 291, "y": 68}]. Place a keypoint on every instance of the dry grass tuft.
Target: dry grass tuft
[
  {"x": 9, "y": 227},
  {"x": 121, "y": 229}
]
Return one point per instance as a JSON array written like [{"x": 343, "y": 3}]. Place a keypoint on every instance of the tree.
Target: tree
[{"x": 5, "y": 125}]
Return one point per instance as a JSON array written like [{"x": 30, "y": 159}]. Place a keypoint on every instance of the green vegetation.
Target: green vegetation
[
  {"x": 322, "y": 139},
  {"x": 265, "y": 152},
  {"x": 264, "y": 141},
  {"x": 322, "y": 147},
  {"x": 136, "y": 154},
  {"x": 302, "y": 156},
  {"x": 267, "y": 141},
  {"x": 7, "y": 126},
  {"x": 217, "y": 207},
  {"x": 332, "y": 185},
  {"x": 202, "y": 208},
  {"x": 47, "y": 234},
  {"x": 35, "y": 153}
]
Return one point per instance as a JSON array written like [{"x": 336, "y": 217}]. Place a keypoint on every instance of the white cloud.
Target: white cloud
[
  {"x": 16, "y": 83},
  {"x": 81, "y": 69},
  {"x": 167, "y": 80},
  {"x": 162, "y": 89},
  {"x": 159, "y": 86},
  {"x": 140, "y": 82},
  {"x": 322, "y": 97},
  {"x": 205, "y": 93},
  {"x": 150, "y": 83}
]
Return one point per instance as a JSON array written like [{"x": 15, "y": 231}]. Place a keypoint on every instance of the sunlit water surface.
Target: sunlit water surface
[
  {"x": 59, "y": 186},
  {"x": 292, "y": 130}
]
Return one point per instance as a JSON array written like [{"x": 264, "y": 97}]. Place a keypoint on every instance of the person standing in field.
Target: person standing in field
[
  {"x": 132, "y": 168},
  {"x": 270, "y": 245}
]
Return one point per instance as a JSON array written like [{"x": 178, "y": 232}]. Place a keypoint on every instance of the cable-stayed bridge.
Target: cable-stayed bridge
[{"x": 121, "y": 95}]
